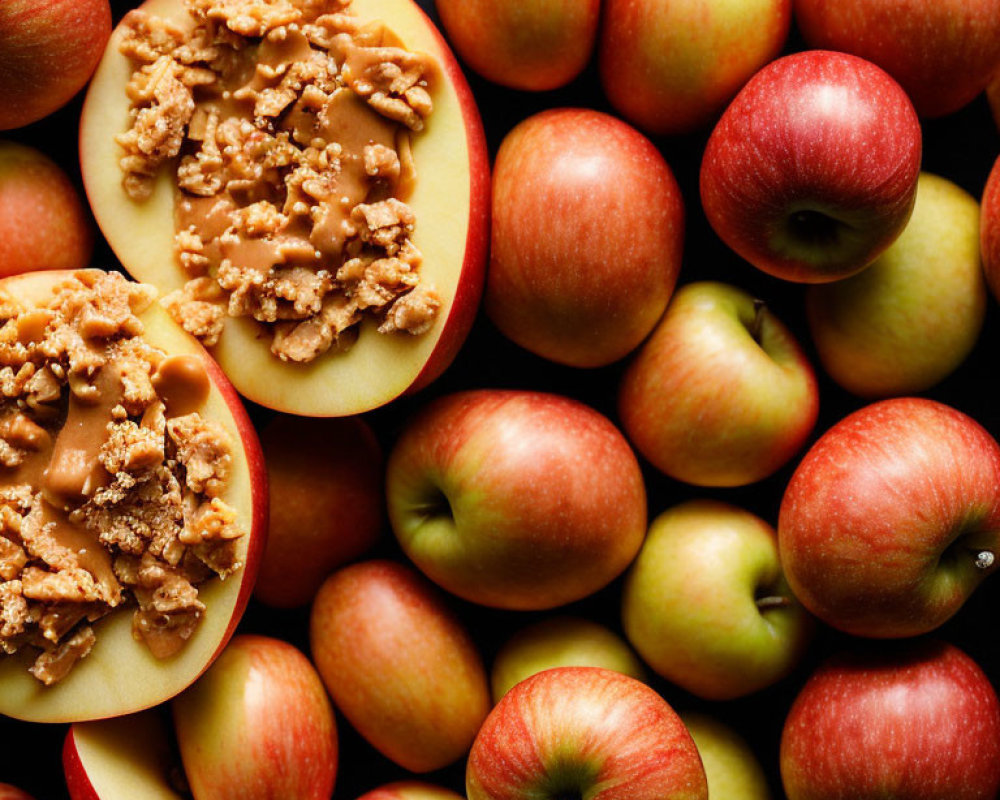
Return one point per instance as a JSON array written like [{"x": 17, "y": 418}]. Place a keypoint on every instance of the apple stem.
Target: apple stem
[
  {"x": 985, "y": 559},
  {"x": 773, "y": 601}
]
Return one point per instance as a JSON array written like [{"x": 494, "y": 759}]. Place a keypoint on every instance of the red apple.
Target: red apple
[
  {"x": 398, "y": 664},
  {"x": 919, "y": 721},
  {"x": 258, "y": 725},
  {"x": 325, "y": 479},
  {"x": 43, "y": 222},
  {"x": 410, "y": 790},
  {"x": 721, "y": 393},
  {"x": 588, "y": 227},
  {"x": 535, "y": 45},
  {"x": 811, "y": 172},
  {"x": 584, "y": 732},
  {"x": 670, "y": 67},
  {"x": 515, "y": 499},
  {"x": 48, "y": 50},
  {"x": 121, "y": 675},
  {"x": 989, "y": 229},
  {"x": 892, "y": 518},
  {"x": 942, "y": 52},
  {"x": 450, "y": 200}
]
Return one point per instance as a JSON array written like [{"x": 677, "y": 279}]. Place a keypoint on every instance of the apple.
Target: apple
[
  {"x": 919, "y": 721},
  {"x": 732, "y": 768},
  {"x": 523, "y": 44},
  {"x": 325, "y": 478},
  {"x": 515, "y": 499},
  {"x": 398, "y": 663},
  {"x": 706, "y": 605},
  {"x": 588, "y": 226},
  {"x": 670, "y": 67},
  {"x": 450, "y": 201},
  {"x": 8, "y": 792},
  {"x": 942, "y": 52},
  {"x": 811, "y": 172},
  {"x": 584, "y": 732},
  {"x": 128, "y": 756},
  {"x": 43, "y": 222},
  {"x": 48, "y": 50},
  {"x": 561, "y": 641},
  {"x": 721, "y": 393},
  {"x": 121, "y": 675},
  {"x": 892, "y": 518},
  {"x": 410, "y": 790},
  {"x": 989, "y": 229}
]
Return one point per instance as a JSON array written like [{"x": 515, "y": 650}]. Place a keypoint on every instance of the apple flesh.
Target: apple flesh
[
  {"x": 43, "y": 222},
  {"x": 450, "y": 201},
  {"x": 989, "y": 229},
  {"x": 588, "y": 226},
  {"x": 121, "y": 676},
  {"x": 721, "y": 393},
  {"x": 732, "y": 768},
  {"x": 535, "y": 45},
  {"x": 811, "y": 172},
  {"x": 410, "y": 790},
  {"x": 892, "y": 518},
  {"x": 515, "y": 499},
  {"x": 398, "y": 664},
  {"x": 325, "y": 478},
  {"x": 670, "y": 67},
  {"x": 561, "y": 642},
  {"x": 920, "y": 721},
  {"x": 575, "y": 732},
  {"x": 48, "y": 50},
  {"x": 942, "y": 52}
]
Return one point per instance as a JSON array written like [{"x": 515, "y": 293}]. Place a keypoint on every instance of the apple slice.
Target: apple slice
[
  {"x": 450, "y": 201},
  {"x": 120, "y": 675}
]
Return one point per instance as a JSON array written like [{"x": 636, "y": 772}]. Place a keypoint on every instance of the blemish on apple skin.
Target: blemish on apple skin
[{"x": 985, "y": 559}]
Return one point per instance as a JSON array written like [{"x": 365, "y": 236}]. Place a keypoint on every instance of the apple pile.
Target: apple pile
[{"x": 693, "y": 489}]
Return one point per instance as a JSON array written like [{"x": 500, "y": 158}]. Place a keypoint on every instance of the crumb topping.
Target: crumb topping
[
  {"x": 110, "y": 479},
  {"x": 290, "y": 124}
]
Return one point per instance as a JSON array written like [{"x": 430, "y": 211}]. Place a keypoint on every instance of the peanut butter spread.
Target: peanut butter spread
[
  {"x": 290, "y": 123},
  {"x": 109, "y": 476}
]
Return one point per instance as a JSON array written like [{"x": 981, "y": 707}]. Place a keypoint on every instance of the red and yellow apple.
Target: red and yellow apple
[
  {"x": 410, "y": 790},
  {"x": 120, "y": 675},
  {"x": 588, "y": 227},
  {"x": 43, "y": 222},
  {"x": 398, "y": 664},
  {"x": 48, "y": 50},
  {"x": 515, "y": 499},
  {"x": 534, "y": 45},
  {"x": 450, "y": 201},
  {"x": 670, "y": 67},
  {"x": 989, "y": 229},
  {"x": 325, "y": 478},
  {"x": 731, "y": 766}
]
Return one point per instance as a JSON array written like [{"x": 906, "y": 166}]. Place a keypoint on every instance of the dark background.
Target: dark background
[{"x": 961, "y": 147}]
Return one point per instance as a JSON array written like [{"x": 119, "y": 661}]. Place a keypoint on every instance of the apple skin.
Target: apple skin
[
  {"x": 670, "y": 67},
  {"x": 48, "y": 50},
  {"x": 908, "y": 320},
  {"x": 732, "y": 769},
  {"x": 721, "y": 393},
  {"x": 811, "y": 172},
  {"x": 883, "y": 522},
  {"x": 325, "y": 478},
  {"x": 515, "y": 499},
  {"x": 989, "y": 229},
  {"x": 919, "y": 721},
  {"x": 258, "y": 726},
  {"x": 398, "y": 664},
  {"x": 942, "y": 52},
  {"x": 584, "y": 732},
  {"x": 410, "y": 790},
  {"x": 561, "y": 642},
  {"x": 706, "y": 605},
  {"x": 588, "y": 227},
  {"x": 534, "y": 45},
  {"x": 8, "y": 792}
]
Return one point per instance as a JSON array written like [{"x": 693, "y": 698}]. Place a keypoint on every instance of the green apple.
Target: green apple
[
  {"x": 902, "y": 325},
  {"x": 561, "y": 642},
  {"x": 732, "y": 768},
  {"x": 707, "y": 606}
]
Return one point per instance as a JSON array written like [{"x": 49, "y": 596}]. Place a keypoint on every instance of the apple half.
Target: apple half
[
  {"x": 450, "y": 200},
  {"x": 120, "y": 675}
]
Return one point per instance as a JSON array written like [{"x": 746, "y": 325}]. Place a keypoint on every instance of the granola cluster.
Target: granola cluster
[
  {"x": 289, "y": 121},
  {"x": 107, "y": 498}
]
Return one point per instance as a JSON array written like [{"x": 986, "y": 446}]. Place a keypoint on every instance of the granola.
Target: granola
[{"x": 289, "y": 122}]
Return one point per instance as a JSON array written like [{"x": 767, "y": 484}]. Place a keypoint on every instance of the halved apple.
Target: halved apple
[
  {"x": 450, "y": 201},
  {"x": 120, "y": 675}
]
